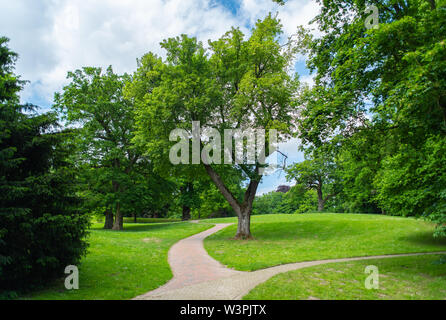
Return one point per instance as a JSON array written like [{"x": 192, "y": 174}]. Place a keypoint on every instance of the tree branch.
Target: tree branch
[
  {"x": 331, "y": 195},
  {"x": 223, "y": 189},
  {"x": 432, "y": 3},
  {"x": 250, "y": 193}
]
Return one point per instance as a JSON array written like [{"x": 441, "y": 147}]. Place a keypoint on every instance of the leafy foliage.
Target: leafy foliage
[
  {"x": 317, "y": 173},
  {"x": 41, "y": 228},
  {"x": 237, "y": 84},
  {"x": 379, "y": 104},
  {"x": 117, "y": 176},
  {"x": 297, "y": 200}
]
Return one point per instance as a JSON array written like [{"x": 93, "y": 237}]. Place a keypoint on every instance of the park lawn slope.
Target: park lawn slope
[
  {"x": 405, "y": 278},
  {"x": 281, "y": 239},
  {"x": 122, "y": 265}
]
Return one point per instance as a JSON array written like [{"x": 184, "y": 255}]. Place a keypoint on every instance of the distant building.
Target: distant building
[{"x": 283, "y": 189}]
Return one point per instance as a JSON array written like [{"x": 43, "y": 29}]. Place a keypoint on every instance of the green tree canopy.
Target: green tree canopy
[
  {"x": 238, "y": 83},
  {"x": 116, "y": 170},
  {"x": 317, "y": 172},
  {"x": 382, "y": 89}
]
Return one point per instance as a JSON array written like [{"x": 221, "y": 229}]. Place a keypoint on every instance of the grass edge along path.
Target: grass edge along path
[
  {"x": 399, "y": 278},
  {"x": 283, "y": 239}
]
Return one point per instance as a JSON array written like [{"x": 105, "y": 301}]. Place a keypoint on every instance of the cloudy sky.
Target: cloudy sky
[{"x": 53, "y": 37}]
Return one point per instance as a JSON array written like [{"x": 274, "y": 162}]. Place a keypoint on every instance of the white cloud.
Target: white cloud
[
  {"x": 293, "y": 14},
  {"x": 57, "y": 36},
  {"x": 308, "y": 79}
]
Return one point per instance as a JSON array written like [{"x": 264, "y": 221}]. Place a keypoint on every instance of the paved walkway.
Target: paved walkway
[{"x": 197, "y": 276}]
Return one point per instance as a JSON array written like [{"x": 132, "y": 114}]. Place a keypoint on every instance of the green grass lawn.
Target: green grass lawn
[
  {"x": 281, "y": 239},
  {"x": 122, "y": 265},
  {"x": 402, "y": 278}
]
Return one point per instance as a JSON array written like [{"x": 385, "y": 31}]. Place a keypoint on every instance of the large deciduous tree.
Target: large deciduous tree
[
  {"x": 238, "y": 83},
  {"x": 316, "y": 173},
  {"x": 94, "y": 102}
]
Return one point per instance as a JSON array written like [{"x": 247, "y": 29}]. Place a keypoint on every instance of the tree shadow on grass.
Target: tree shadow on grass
[
  {"x": 143, "y": 227},
  {"x": 305, "y": 230},
  {"x": 283, "y": 231},
  {"x": 425, "y": 238}
]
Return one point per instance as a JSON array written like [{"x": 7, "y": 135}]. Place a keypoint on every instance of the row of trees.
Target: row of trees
[
  {"x": 118, "y": 177},
  {"x": 361, "y": 124},
  {"x": 121, "y": 124},
  {"x": 297, "y": 200}
]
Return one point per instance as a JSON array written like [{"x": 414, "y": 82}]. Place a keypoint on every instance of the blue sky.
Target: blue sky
[
  {"x": 53, "y": 37},
  {"x": 232, "y": 5}
]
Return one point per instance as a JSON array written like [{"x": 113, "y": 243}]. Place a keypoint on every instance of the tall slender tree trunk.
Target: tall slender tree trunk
[
  {"x": 320, "y": 201},
  {"x": 108, "y": 220},
  {"x": 320, "y": 205},
  {"x": 186, "y": 213},
  {"x": 119, "y": 219},
  {"x": 187, "y": 190}
]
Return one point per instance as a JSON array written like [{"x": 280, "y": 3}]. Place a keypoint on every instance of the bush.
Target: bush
[
  {"x": 41, "y": 230},
  {"x": 413, "y": 182},
  {"x": 37, "y": 250}
]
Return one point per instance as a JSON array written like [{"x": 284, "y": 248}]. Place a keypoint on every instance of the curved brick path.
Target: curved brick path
[
  {"x": 191, "y": 264},
  {"x": 197, "y": 276}
]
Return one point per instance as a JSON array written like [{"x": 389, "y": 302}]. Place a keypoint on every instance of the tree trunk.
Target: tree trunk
[
  {"x": 119, "y": 219},
  {"x": 186, "y": 213},
  {"x": 433, "y": 4},
  {"x": 243, "y": 210},
  {"x": 320, "y": 205},
  {"x": 108, "y": 220},
  {"x": 134, "y": 218},
  {"x": 187, "y": 191},
  {"x": 244, "y": 226},
  {"x": 320, "y": 201}
]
